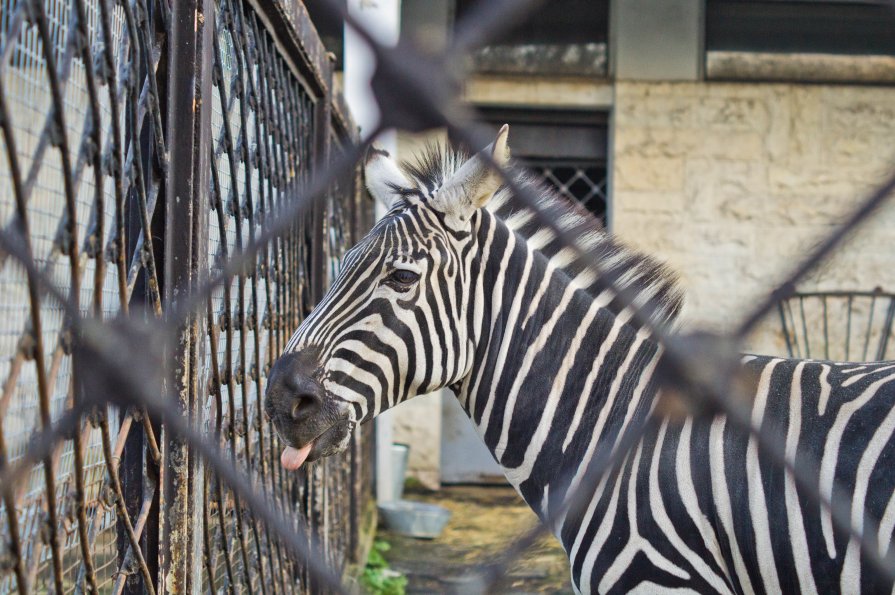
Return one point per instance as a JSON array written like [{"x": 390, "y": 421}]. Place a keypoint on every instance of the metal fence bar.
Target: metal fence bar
[{"x": 186, "y": 232}]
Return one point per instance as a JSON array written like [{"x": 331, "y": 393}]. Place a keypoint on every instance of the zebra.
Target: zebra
[{"x": 457, "y": 287}]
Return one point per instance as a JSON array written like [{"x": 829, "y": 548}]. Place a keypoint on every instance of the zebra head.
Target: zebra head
[{"x": 395, "y": 323}]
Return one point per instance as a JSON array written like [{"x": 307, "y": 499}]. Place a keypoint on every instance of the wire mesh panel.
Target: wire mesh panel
[
  {"x": 78, "y": 91},
  {"x": 83, "y": 93},
  {"x": 264, "y": 146},
  {"x": 580, "y": 181}
]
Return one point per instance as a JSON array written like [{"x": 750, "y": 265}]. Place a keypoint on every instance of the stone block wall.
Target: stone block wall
[{"x": 732, "y": 184}]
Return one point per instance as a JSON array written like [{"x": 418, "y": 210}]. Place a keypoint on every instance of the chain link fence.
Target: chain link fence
[{"x": 181, "y": 184}]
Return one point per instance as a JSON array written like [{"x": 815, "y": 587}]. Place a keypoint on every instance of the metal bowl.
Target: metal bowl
[{"x": 414, "y": 519}]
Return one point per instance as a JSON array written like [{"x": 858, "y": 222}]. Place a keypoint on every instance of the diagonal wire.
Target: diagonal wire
[{"x": 279, "y": 223}]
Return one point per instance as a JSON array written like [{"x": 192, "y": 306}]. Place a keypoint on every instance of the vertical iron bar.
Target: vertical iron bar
[
  {"x": 215, "y": 390},
  {"x": 886, "y": 330},
  {"x": 869, "y": 329},
  {"x": 319, "y": 160},
  {"x": 208, "y": 556},
  {"x": 781, "y": 312},
  {"x": 795, "y": 333},
  {"x": 850, "y": 306},
  {"x": 189, "y": 134},
  {"x": 323, "y": 119},
  {"x": 141, "y": 162},
  {"x": 804, "y": 326},
  {"x": 826, "y": 332}
]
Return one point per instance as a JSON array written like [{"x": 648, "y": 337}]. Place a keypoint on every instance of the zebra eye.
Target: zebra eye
[{"x": 403, "y": 277}]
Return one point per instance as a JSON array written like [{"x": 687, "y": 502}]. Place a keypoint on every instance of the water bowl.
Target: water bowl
[{"x": 414, "y": 519}]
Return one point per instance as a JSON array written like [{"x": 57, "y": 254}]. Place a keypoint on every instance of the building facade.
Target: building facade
[{"x": 725, "y": 137}]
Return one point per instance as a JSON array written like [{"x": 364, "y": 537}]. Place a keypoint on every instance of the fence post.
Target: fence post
[
  {"x": 323, "y": 114},
  {"x": 186, "y": 216}
]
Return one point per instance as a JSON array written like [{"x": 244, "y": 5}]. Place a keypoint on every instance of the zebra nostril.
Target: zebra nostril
[{"x": 305, "y": 404}]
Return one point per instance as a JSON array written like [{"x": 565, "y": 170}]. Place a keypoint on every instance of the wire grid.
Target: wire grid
[
  {"x": 86, "y": 534},
  {"x": 74, "y": 110},
  {"x": 580, "y": 181},
  {"x": 279, "y": 249},
  {"x": 237, "y": 555},
  {"x": 263, "y": 131}
]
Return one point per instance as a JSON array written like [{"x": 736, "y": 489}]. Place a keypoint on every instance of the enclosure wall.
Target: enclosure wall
[{"x": 729, "y": 181}]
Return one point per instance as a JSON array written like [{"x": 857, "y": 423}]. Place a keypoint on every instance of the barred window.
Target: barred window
[
  {"x": 567, "y": 147},
  {"x": 580, "y": 180}
]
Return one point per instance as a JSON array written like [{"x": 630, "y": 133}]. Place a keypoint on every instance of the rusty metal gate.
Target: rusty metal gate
[{"x": 145, "y": 144}]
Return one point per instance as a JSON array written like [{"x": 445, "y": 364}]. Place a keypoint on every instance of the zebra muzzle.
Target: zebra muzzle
[{"x": 311, "y": 423}]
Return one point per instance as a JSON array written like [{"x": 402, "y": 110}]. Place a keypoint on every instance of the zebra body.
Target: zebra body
[{"x": 446, "y": 293}]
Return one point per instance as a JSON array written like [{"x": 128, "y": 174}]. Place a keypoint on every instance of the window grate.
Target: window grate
[{"x": 577, "y": 180}]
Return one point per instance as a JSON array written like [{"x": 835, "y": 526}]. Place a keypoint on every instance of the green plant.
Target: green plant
[
  {"x": 412, "y": 483},
  {"x": 378, "y": 578}
]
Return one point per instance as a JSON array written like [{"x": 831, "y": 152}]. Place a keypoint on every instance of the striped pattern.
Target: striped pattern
[{"x": 550, "y": 369}]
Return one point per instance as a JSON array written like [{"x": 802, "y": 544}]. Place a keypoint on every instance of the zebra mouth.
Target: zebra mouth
[{"x": 331, "y": 441}]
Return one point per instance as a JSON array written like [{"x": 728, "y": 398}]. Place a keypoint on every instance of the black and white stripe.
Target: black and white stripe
[{"x": 550, "y": 369}]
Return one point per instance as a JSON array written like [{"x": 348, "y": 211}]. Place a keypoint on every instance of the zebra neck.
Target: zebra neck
[{"x": 554, "y": 373}]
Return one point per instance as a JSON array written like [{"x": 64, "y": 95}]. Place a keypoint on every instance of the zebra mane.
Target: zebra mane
[{"x": 654, "y": 284}]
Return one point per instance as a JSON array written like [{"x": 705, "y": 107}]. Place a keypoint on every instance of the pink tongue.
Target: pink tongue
[{"x": 292, "y": 458}]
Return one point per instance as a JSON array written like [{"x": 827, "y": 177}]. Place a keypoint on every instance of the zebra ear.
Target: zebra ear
[
  {"x": 382, "y": 175},
  {"x": 473, "y": 185}
]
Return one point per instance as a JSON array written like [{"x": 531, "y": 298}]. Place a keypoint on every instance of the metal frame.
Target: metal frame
[{"x": 868, "y": 317}]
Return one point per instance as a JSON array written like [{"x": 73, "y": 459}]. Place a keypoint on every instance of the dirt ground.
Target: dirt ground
[{"x": 484, "y": 521}]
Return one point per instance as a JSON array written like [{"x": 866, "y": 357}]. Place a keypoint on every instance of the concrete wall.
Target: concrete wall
[{"x": 731, "y": 184}]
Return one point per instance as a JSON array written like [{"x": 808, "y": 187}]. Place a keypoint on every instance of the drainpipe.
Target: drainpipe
[{"x": 382, "y": 18}]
